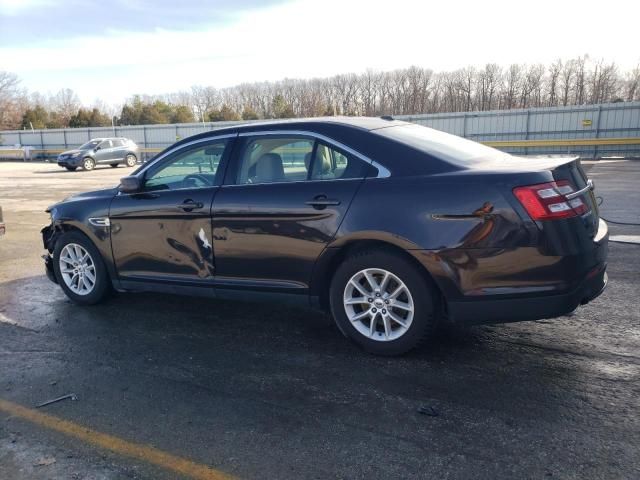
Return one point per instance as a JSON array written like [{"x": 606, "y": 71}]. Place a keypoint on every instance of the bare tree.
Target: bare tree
[
  {"x": 553, "y": 82},
  {"x": 566, "y": 81},
  {"x": 513, "y": 81},
  {"x": 65, "y": 103},
  {"x": 488, "y": 83},
  {"x": 11, "y": 99},
  {"x": 580, "y": 80},
  {"x": 632, "y": 85}
]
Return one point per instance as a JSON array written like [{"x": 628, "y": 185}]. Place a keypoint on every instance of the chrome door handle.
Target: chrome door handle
[
  {"x": 189, "y": 205},
  {"x": 321, "y": 201}
]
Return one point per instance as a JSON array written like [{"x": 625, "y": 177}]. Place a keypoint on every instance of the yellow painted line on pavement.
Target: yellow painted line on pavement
[{"x": 137, "y": 451}]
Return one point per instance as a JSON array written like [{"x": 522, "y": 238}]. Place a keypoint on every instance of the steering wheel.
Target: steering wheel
[{"x": 195, "y": 178}]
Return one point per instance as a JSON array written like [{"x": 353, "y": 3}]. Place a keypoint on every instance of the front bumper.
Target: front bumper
[
  {"x": 48, "y": 267},
  {"x": 69, "y": 162}
]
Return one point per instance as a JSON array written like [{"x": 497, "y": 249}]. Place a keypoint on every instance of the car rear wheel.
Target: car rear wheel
[
  {"x": 88, "y": 163},
  {"x": 131, "y": 160},
  {"x": 114, "y": 165},
  {"x": 382, "y": 302},
  {"x": 71, "y": 169},
  {"x": 80, "y": 270}
]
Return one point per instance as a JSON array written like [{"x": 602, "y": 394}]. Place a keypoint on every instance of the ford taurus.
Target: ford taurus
[{"x": 390, "y": 226}]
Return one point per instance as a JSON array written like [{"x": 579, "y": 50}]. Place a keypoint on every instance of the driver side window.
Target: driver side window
[{"x": 195, "y": 167}]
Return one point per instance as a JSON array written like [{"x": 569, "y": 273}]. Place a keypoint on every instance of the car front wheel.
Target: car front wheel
[
  {"x": 88, "y": 163},
  {"x": 80, "y": 270},
  {"x": 131, "y": 160},
  {"x": 381, "y": 301}
]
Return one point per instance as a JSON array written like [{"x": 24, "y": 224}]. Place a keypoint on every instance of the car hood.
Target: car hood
[
  {"x": 93, "y": 195},
  {"x": 71, "y": 152}
]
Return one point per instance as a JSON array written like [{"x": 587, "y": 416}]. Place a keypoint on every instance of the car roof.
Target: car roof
[{"x": 362, "y": 124}]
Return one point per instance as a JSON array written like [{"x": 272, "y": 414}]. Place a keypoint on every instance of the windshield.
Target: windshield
[
  {"x": 89, "y": 145},
  {"x": 454, "y": 149}
]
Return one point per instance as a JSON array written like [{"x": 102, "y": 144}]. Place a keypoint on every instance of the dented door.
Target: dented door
[
  {"x": 163, "y": 232},
  {"x": 164, "y": 235}
]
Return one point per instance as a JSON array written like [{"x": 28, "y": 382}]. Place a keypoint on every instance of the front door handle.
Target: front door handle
[
  {"x": 320, "y": 202},
  {"x": 189, "y": 205}
]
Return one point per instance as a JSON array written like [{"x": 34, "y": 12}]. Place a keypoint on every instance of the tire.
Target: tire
[
  {"x": 114, "y": 165},
  {"x": 88, "y": 163},
  {"x": 71, "y": 169},
  {"x": 101, "y": 288},
  {"x": 130, "y": 160},
  {"x": 414, "y": 305}
]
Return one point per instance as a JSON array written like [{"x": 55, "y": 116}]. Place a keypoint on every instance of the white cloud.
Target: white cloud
[
  {"x": 308, "y": 38},
  {"x": 15, "y": 7}
]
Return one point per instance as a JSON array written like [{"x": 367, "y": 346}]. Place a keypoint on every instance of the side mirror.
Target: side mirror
[
  {"x": 130, "y": 184},
  {"x": 98, "y": 147}
]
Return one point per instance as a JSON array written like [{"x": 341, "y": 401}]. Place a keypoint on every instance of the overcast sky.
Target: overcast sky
[{"x": 111, "y": 50}]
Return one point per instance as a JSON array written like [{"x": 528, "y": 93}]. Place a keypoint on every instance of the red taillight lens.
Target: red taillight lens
[{"x": 547, "y": 201}]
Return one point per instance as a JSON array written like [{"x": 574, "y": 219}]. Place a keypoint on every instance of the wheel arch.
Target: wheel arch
[
  {"x": 101, "y": 240},
  {"x": 332, "y": 257}
]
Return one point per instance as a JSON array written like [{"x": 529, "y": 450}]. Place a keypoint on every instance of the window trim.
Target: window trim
[
  {"x": 232, "y": 181},
  {"x": 175, "y": 148},
  {"x": 238, "y": 158},
  {"x": 166, "y": 157},
  {"x": 383, "y": 172}
]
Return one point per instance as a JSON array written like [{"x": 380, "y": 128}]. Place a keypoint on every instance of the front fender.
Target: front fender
[{"x": 79, "y": 214}]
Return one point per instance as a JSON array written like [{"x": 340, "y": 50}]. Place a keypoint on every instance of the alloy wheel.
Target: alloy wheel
[
  {"x": 131, "y": 160},
  {"x": 77, "y": 269},
  {"x": 378, "y": 304}
]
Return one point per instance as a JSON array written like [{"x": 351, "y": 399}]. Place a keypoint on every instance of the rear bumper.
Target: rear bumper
[
  {"x": 568, "y": 283},
  {"x": 529, "y": 308}
]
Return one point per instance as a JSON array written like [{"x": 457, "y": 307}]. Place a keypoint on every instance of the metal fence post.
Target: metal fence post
[
  {"x": 464, "y": 125},
  {"x": 64, "y": 136},
  {"x": 595, "y": 148},
  {"x": 526, "y": 133}
]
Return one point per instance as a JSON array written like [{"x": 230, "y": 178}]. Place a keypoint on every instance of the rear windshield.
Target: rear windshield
[{"x": 445, "y": 146}]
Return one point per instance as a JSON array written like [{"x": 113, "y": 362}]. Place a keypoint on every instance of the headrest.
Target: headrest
[{"x": 269, "y": 168}]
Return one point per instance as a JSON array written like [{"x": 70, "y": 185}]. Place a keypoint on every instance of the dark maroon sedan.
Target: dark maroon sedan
[{"x": 392, "y": 227}]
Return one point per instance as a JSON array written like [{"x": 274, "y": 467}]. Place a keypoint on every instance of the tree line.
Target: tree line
[{"x": 412, "y": 90}]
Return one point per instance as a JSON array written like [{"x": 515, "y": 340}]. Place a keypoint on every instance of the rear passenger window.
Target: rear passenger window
[
  {"x": 117, "y": 143},
  {"x": 275, "y": 159},
  {"x": 331, "y": 164}
]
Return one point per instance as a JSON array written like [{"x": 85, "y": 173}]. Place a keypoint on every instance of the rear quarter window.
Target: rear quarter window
[{"x": 451, "y": 148}]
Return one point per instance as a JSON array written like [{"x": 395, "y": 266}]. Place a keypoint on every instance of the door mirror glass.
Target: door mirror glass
[{"x": 130, "y": 184}]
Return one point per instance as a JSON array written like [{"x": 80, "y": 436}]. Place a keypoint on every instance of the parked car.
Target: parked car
[
  {"x": 3, "y": 229},
  {"x": 111, "y": 151},
  {"x": 390, "y": 226}
]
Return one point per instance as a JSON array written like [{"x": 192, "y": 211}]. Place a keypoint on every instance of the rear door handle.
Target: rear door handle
[
  {"x": 321, "y": 201},
  {"x": 189, "y": 205}
]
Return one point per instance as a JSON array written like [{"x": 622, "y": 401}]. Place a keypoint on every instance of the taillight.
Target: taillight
[{"x": 547, "y": 201}]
